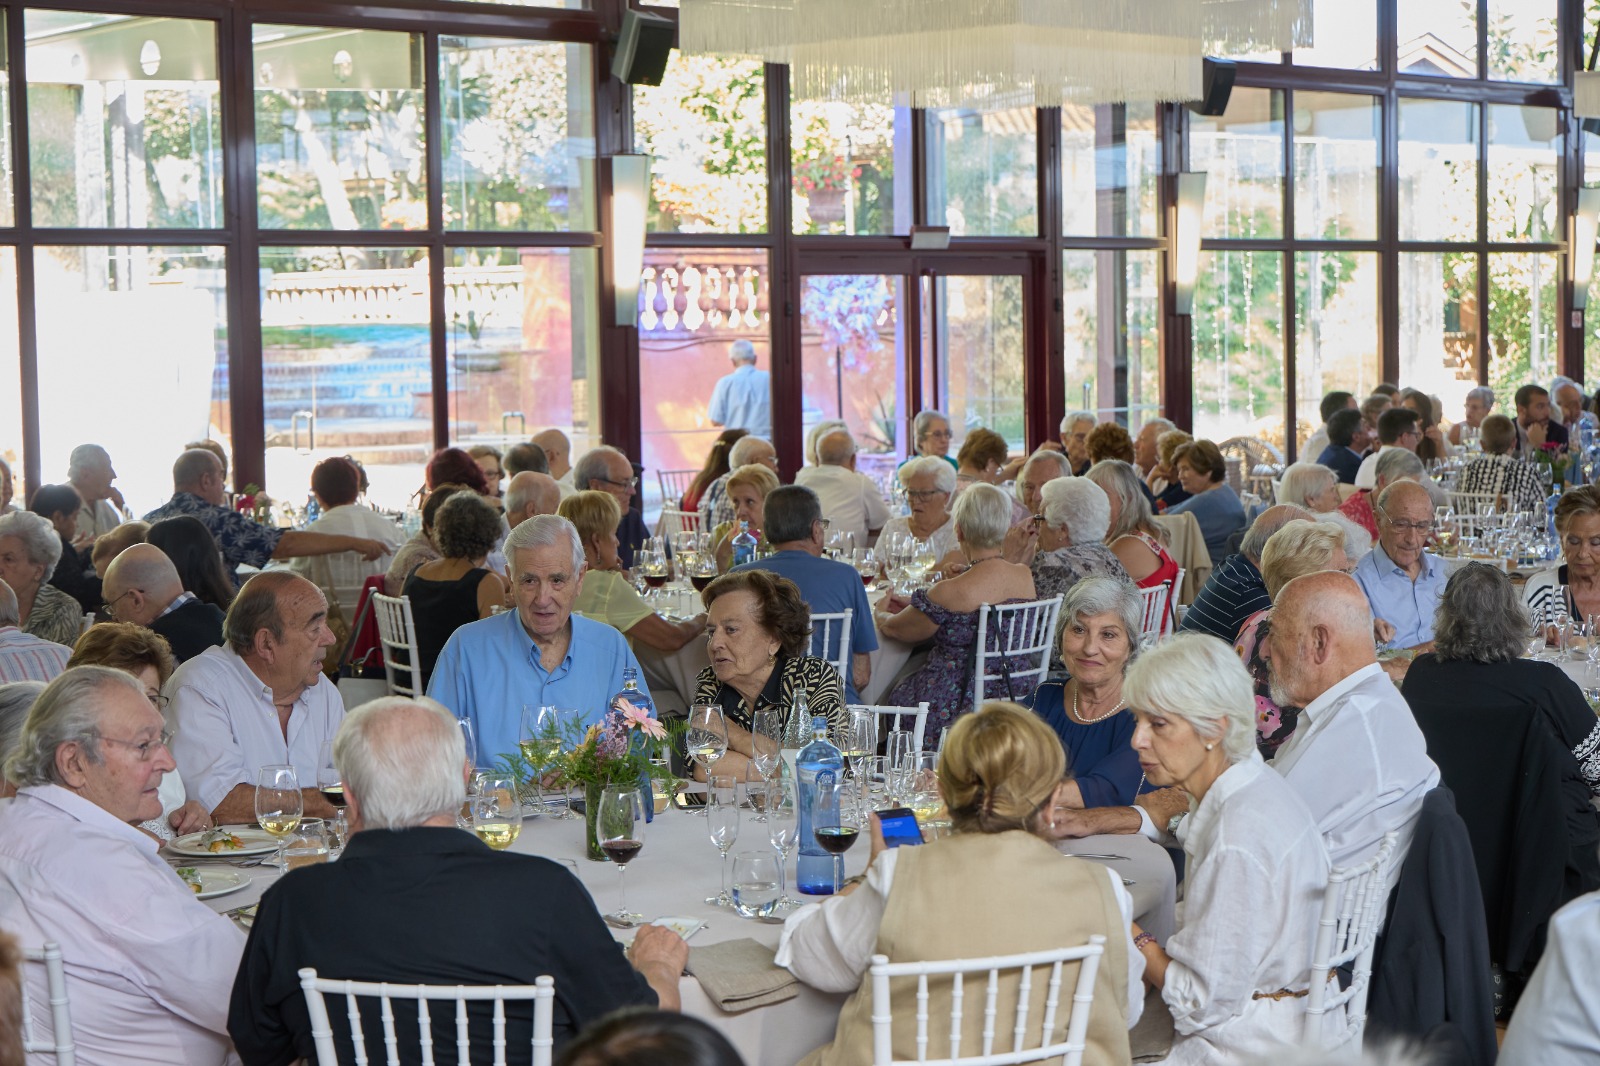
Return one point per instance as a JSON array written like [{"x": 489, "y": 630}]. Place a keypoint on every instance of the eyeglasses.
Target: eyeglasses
[
  {"x": 1400, "y": 526},
  {"x": 630, "y": 484},
  {"x": 145, "y": 749},
  {"x": 109, "y": 609},
  {"x": 923, "y": 494},
  {"x": 158, "y": 701}
]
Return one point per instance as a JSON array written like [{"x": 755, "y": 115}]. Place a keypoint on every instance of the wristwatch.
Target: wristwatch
[{"x": 1173, "y": 823}]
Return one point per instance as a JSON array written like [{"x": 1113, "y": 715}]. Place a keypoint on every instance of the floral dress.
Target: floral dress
[
  {"x": 1274, "y": 724},
  {"x": 945, "y": 680}
]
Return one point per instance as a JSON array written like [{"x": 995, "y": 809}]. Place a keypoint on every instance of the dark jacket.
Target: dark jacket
[
  {"x": 1431, "y": 978},
  {"x": 1342, "y": 461},
  {"x": 191, "y": 629},
  {"x": 74, "y": 576}
]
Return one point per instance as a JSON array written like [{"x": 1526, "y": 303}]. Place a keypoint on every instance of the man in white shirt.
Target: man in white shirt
[
  {"x": 23, "y": 656},
  {"x": 715, "y": 507},
  {"x": 147, "y": 964},
  {"x": 850, "y": 501},
  {"x": 336, "y": 483},
  {"x": 743, "y": 399},
  {"x": 558, "y": 455},
  {"x": 1356, "y": 757},
  {"x": 261, "y": 700},
  {"x": 89, "y": 471},
  {"x": 1557, "y": 1021}
]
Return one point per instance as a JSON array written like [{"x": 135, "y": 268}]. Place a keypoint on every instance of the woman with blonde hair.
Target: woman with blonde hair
[
  {"x": 999, "y": 775},
  {"x": 747, "y": 491},
  {"x": 1163, "y": 477},
  {"x": 606, "y": 594}
]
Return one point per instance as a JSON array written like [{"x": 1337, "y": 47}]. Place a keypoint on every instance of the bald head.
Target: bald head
[
  {"x": 836, "y": 449},
  {"x": 557, "y": 450},
  {"x": 1321, "y": 634},
  {"x": 140, "y": 583},
  {"x": 528, "y": 494},
  {"x": 1266, "y": 524}
]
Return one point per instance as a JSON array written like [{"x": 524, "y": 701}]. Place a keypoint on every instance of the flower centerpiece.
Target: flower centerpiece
[{"x": 1554, "y": 458}]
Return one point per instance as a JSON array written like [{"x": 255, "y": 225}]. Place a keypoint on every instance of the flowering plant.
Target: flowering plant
[
  {"x": 619, "y": 749},
  {"x": 824, "y": 172},
  {"x": 1554, "y": 456}
]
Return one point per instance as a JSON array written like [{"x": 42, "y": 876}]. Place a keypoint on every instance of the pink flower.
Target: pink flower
[{"x": 635, "y": 718}]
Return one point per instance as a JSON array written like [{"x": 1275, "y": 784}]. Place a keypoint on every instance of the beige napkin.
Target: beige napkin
[{"x": 739, "y": 975}]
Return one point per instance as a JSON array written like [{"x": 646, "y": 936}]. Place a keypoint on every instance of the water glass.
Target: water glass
[
  {"x": 306, "y": 844},
  {"x": 757, "y": 884},
  {"x": 756, "y": 790},
  {"x": 783, "y": 831}
]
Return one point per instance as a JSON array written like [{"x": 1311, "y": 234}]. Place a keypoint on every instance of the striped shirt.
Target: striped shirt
[
  {"x": 24, "y": 657},
  {"x": 1234, "y": 593}
]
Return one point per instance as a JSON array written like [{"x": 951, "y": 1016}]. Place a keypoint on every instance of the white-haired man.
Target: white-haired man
[
  {"x": 142, "y": 586},
  {"x": 605, "y": 469},
  {"x": 540, "y": 653},
  {"x": 1145, "y": 456},
  {"x": 89, "y": 471},
  {"x": 407, "y": 869},
  {"x": 529, "y": 493},
  {"x": 145, "y": 961},
  {"x": 715, "y": 507},
  {"x": 743, "y": 399},
  {"x": 850, "y": 501},
  {"x": 23, "y": 656},
  {"x": 558, "y": 457}
]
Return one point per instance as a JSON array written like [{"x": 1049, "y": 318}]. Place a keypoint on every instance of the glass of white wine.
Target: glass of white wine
[
  {"x": 922, "y": 794},
  {"x": 307, "y": 844},
  {"x": 707, "y": 738},
  {"x": 496, "y": 811},
  {"x": 279, "y": 803}
]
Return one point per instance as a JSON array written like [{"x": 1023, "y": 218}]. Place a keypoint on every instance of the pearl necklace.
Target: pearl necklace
[{"x": 1092, "y": 721}]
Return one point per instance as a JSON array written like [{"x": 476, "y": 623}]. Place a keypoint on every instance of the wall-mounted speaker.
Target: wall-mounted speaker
[
  {"x": 642, "y": 49},
  {"x": 1216, "y": 84}
]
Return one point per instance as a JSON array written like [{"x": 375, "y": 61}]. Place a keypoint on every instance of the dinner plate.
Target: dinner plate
[
  {"x": 256, "y": 842},
  {"x": 219, "y": 881}
]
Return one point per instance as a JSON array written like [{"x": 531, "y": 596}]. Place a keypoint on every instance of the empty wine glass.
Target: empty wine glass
[
  {"x": 783, "y": 831},
  {"x": 279, "y": 803},
  {"x": 766, "y": 740},
  {"x": 306, "y": 845},
  {"x": 756, "y": 791},
  {"x": 617, "y": 830},
  {"x": 722, "y": 824},
  {"x": 469, "y": 735}
]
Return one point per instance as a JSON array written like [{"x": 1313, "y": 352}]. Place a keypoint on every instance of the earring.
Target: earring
[{"x": 1210, "y": 746}]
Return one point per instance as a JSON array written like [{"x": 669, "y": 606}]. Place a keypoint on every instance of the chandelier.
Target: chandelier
[{"x": 932, "y": 53}]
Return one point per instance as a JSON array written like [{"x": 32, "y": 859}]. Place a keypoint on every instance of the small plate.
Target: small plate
[
  {"x": 256, "y": 842},
  {"x": 684, "y": 927},
  {"x": 219, "y": 881}
]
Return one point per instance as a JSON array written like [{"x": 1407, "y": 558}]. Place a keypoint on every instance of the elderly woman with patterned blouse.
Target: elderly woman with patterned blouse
[
  {"x": 1070, "y": 541},
  {"x": 758, "y": 639},
  {"x": 1234, "y": 974},
  {"x": 29, "y": 551}
]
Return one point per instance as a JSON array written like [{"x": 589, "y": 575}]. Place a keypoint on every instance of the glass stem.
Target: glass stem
[
  {"x": 622, "y": 888},
  {"x": 724, "y": 872}
]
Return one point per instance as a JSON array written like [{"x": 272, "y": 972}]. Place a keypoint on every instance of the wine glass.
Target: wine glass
[
  {"x": 279, "y": 803},
  {"x": 722, "y": 823},
  {"x": 706, "y": 740},
  {"x": 756, "y": 791},
  {"x": 496, "y": 811},
  {"x": 857, "y": 738},
  {"x": 833, "y": 820},
  {"x": 922, "y": 792},
  {"x": 564, "y": 722},
  {"x": 469, "y": 735},
  {"x": 783, "y": 830},
  {"x": 766, "y": 740},
  {"x": 329, "y": 781},
  {"x": 306, "y": 845},
  {"x": 757, "y": 884},
  {"x": 617, "y": 828},
  {"x": 865, "y": 561}
]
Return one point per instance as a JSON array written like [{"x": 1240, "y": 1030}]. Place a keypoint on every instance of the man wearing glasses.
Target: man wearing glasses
[
  {"x": 146, "y": 963},
  {"x": 1401, "y": 580},
  {"x": 1398, "y": 427},
  {"x": 604, "y": 469}
]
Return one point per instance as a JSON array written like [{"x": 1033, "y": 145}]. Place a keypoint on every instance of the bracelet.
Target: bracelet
[{"x": 1142, "y": 939}]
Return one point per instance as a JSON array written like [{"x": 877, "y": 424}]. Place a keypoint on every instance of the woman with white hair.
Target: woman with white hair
[
  {"x": 929, "y": 482},
  {"x": 1070, "y": 541},
  {"x": 947, "y": 614},
  {"x": 16, "y": 699},
  {"x": 1234, "y": 974},
  {"x": 29, "y": 551},
  {"x": 1298, "y": 548},
  {"x": 1316, "y": 488}
]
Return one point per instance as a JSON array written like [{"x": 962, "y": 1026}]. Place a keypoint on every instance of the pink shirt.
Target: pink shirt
[
  {"x": 25, "y": 657},
  {"x": 149, "y": 967}
]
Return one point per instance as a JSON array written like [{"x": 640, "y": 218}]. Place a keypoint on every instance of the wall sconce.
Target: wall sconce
[
  {"x": 630, "y": 201},
  {"x": 1585, "y": 230},
  {"x": 1186, "y": 237}
]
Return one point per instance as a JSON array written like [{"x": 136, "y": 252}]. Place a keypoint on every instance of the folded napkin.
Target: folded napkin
[{"x": 739, "y": 975}]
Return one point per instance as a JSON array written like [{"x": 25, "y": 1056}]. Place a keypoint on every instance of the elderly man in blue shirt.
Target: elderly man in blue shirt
[
  {"x": 1401, "y": 580},
  {"x": 538, "y": 654}
]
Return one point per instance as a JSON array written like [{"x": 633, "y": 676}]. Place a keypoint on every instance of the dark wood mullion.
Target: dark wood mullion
[
  {"x": 1045, "y": 373},
  {"x": 785, "y": 342},
  {"x": 1389, "y": 197},
  {"x": 1287, "y": 264},
  {"x": 618, "y": 384},
  {"x": 1569, "y": 323},
  {"x": 22, "y": 211},
  {"x": 1177, "y": 331},
  {"x": 433, "y": 153},
  {"x": 1483, "y": 230},
  {"x": 246, "y": 383}
]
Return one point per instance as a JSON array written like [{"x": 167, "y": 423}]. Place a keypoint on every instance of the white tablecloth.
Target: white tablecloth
[{"x": 679, "y": 868}]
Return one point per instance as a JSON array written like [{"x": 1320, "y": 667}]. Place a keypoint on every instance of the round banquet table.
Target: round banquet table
[{"x": 678, "y": 868}]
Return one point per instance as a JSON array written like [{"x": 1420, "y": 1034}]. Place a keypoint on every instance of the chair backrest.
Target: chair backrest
[
  {"x": 834, "y": 632},
  {"x": 60, "y": 1042},
  {"x": 674, "y": 483},
  {"x": 1469, "y": 520},
  {"x": 1047, "y": 1045},
  {"x": 1022, "y": 630},
  {"x": 1353, "y": 910},
  {"x": 542, "y": 993},
  {"x": 397, "y": 632},
  {"x": 1154, "y": 604},
  {"x": 897, "y": 716},
  {"x": 675, "y": 521}
]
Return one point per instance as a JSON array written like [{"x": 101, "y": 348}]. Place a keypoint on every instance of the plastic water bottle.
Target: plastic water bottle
[
  {"x": 744, "y": 545},
  {"x": 641, "y": 702},
  {"x": 313, "y": 509},
  {"x": 821, "y": 766}
]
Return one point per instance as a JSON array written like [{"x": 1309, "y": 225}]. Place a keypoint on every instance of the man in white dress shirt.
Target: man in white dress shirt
[
  {"x": 850, "y": 501},
  {"x": 147, "y": 965},
  {"x": 1356, "y": 757},
  {"x": 743, "y": 399},
  {"x": 261, "y": 700},
  {"x": 1557, "y": 1021},
  {"x": 336, "y": 483},
  {"x": 558, "y": 454}
]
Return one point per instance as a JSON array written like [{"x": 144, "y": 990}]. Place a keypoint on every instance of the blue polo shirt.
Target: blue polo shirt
[
  {"x": 828, "y": 587},
  {"x": 489, "y": 669},
  {"x": 1405, "y": 604}
]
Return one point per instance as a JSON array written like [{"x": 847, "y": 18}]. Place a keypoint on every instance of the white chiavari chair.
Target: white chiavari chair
[
  {"x": 60, "y": 1042},
  {"x": 1022, "y": 630},
  {"x": 1353, "y": 909},
  {"x": 397, "y": 632}
]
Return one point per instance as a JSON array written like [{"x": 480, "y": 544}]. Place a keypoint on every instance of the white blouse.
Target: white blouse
[
  {"x": 1253, "y": 892},
  {"x": 829, "y": 945},
  {"x": 942, "y": 540}
]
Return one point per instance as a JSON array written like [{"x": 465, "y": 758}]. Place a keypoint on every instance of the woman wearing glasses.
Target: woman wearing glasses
[
  {"x": 929, "y": 482},
  {"x": 135, "y": 650}
]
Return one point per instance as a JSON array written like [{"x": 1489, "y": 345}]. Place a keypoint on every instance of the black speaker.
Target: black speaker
[
  {"x": 642, "y": 48},
  {"x": 1216, "y": 84}
]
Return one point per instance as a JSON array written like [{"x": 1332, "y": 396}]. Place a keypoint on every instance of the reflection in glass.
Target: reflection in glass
[
  {"x": 344, "y": 349},
  {"x": 339, "y": 129},
  {"x": 518, "y": 132},
  {"x": 1522, "y": 40},
  {"x": 1110, "y": 162},
  {"x": 979, "y": 323},
  {"x": 1439, "y": 324},
  {"x": 852, "y": 358},
  {"x": 521, "y": 344},
  {"x": 1345, "y": 34},
  {"x": 124, "y": 122},
  {"x": 1438, "y": 170},
  {"x": 695, "y": 303},
  {"x": 705, "y": 129},
  {"x": 1336, "y": 166},
  {"x": 1238, "y": 345},
  {"x": 1522, "y": 319},
  {"x": 130, "y": 339},
  {"x": 1120, "y": 367},
  {"x": 982, "y": 167},
  {"x": 1336, "y": 330},
  {"x": 848, "y": 159},
  {"x": 1438, "y": 37},
  {"x": 1242, "y": 150},
  {"x": 1523, "y": 143}
]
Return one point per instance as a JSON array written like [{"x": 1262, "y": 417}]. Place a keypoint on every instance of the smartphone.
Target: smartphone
[
  {"x": 899, "y": 827},
  {"x": 689, "y": 801}
]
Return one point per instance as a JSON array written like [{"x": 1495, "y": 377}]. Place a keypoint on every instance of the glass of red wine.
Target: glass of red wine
[
  {"x": 834, "y": 820},
  {"x": 618, "y": 826},
  {"x": 330, "y": 783}
]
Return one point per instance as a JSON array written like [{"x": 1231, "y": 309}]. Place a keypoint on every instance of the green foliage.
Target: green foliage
[{"x": 1238, "y": 330}]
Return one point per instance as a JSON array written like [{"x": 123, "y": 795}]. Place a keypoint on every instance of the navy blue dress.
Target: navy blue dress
[{"x": 1100, "y": 756}]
